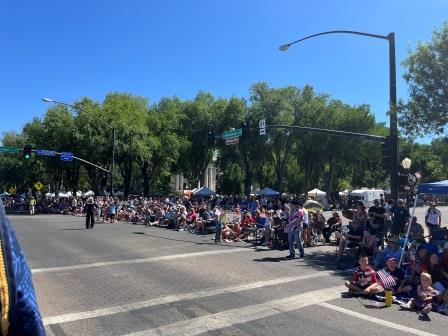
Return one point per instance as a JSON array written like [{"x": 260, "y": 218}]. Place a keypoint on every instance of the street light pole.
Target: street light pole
[
  {"x": 392, "y": 98},
  {"x": 48, "y": 100}
]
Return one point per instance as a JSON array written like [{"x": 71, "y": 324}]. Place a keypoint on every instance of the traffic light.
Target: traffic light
[
  {"x": 27, "y": 150},
  {"x": 211, "y": 138},
  {"x": 385, "y": 153},
  {"x": 245, "y": 129}
]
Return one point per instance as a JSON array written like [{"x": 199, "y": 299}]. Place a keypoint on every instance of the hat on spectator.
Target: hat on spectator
[
  {"x": 391, "y": 258},
  {"x": 393, "y": 239},
  {"x": 400, "y": 200}
]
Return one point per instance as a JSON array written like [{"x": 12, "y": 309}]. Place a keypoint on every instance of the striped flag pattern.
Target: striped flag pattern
[{"x": 387, "y": 280}]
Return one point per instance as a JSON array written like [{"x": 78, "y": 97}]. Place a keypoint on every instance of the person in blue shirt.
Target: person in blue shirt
[
  {"x": 112, "y": 212},
  {"x": 400, "y": 218}
]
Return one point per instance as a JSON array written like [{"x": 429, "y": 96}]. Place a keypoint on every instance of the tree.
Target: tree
[
  {"x": 427, "y": 76},
  {"x": 200, "y": 118},
  {"x": 129, "y": 116}
]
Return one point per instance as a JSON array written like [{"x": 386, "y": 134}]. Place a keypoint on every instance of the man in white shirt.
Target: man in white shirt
[{"x": 433, "y": 217}]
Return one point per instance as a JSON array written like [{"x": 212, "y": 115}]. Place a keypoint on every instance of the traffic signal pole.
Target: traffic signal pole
[
  {"x": 394, "y": 152},
  {"x": 394, "y": 141}
]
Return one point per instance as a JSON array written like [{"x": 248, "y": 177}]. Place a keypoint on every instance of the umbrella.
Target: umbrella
[{"x": 310, "y": 204}]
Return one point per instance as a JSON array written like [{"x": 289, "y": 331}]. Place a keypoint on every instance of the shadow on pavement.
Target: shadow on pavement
[
  {"x": 233, "y": 245},
  {"x": 272, "y": 259},
  {"x": 72, "y": 229}
]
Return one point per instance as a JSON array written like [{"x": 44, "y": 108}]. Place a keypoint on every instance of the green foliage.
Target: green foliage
[
  {"x": 427, "y": 76},
  {"x": 156, "y": 141}
]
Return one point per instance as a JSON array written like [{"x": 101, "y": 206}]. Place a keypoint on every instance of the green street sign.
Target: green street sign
[
  {"x": 9, "y": 150},
  {"x": 232, "y": 134}
]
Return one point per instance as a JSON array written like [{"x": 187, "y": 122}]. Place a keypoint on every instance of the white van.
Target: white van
[{"x": 367, "y": 196}]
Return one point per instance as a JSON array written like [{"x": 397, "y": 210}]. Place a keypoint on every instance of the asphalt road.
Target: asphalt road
[{"x": 124, "y": 279}]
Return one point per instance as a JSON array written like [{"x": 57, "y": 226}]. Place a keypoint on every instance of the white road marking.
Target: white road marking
[
  {"x": 71, "y": 317},
  {"x": 136, "y": 261},
  {"x": 384, "y": 323},
  {"x": 229, "y": 318}
]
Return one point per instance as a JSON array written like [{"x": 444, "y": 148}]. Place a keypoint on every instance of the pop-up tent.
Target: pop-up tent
[
  {"x": 316, "y": 193},
  {"x": 435, "y": 188},
  {"x": 268, "y": 192},
  {"x": 204, "y": 191}
]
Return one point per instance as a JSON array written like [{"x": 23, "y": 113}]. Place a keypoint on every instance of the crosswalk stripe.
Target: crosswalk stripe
[
  {"x": 229, "y": 318},
  {"x": 384, "y": 323},
  {"x": 136, "y": 261},
  {"x": 71, "y": 317}
]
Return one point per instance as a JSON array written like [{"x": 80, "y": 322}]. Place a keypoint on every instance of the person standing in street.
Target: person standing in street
[
  {"x": 89, "y": 210},
  {"x": 32, "y": 205},
  {"x": 293, "y": 228},
  {"x": 433, "y": 218},
  {"x": 400, "y": 217}
]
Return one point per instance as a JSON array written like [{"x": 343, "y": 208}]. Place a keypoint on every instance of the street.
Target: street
[{"x": 124, "y": 279}]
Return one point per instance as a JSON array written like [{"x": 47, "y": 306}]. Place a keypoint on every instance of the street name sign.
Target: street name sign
[
  {"x": 66, "y": 156},
  {"x": 232, "y": 134},
  {"x": 45, "y": 152},
  {"x": 232, "y": 141},
  {"x": 9, "y": 150}
]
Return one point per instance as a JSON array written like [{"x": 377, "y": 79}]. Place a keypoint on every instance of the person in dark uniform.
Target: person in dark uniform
[{"x": 89, "y": 210}]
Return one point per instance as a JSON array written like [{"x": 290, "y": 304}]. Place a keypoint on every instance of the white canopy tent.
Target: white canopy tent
[{"x": 316, "y": 193}]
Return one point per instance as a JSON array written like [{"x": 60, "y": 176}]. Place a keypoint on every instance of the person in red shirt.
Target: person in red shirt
[{"x": 364, "y": 279}]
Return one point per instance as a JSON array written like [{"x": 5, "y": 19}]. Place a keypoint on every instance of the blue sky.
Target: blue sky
[{"x": 70, "y": 49}]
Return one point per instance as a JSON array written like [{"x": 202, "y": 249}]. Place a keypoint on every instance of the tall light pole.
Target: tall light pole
[
  {"x": 392, "y": 98},
  {"x": 48, "y": 100}
]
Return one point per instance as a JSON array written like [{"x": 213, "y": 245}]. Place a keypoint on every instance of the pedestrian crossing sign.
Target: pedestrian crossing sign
[{"x": 38, "y": 185}]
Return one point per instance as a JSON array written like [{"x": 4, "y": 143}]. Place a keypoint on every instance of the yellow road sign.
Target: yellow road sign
[
  {"x": 12, "y": 190},
  {"x": 38, "y": 185}
]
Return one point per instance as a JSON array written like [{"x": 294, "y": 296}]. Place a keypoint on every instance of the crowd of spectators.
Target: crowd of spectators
[{"x": 415, "y": 270}]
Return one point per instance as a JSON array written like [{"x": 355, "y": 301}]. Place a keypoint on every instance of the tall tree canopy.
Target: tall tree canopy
[{"x": 427, "y": 76}]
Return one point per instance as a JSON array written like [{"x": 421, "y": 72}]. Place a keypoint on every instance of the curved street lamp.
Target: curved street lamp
[
  {"x": 49, "y": 100},
  {"x": 392, "y": 97}
]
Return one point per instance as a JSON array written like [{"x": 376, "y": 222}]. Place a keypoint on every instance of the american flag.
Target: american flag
[{"x": 387, "y": 280}]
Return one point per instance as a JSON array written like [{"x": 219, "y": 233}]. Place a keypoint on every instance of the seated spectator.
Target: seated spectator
[
  {"x": 444, "y": 261},
  {"x": 375, "y": 227},
  {"x": 425, "y": 295},
  {"x": 192, "y": 216},
  {"x": 435, "y": 271},
  {"x": 420, "y": 264},
  {"x": 334, "y": 223},
  {"x": 396, "y": 282},
  {"x": 368, "y": 245},
  {"x": 392, "y": 250},
  {"x": 364, "y": 279},
  {"x": 228, "y": 233},
  {"x": 443, "y": 306},
  {"x": 350, "y": 239},
  {"x": 416, "y": 231}
]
